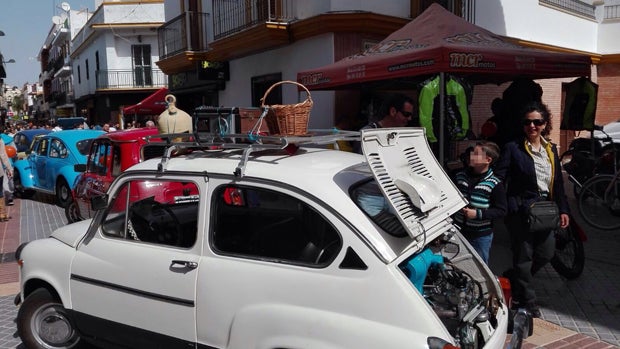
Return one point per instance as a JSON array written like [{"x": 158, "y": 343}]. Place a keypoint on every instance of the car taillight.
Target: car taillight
[
  {"x": 438, "y": 343},
  {"x": 506, "y": 290},
  {"x": 234, "y": 197}
]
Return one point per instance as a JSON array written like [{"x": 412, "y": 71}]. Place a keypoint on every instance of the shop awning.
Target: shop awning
[{"x": 154, "y": 104}]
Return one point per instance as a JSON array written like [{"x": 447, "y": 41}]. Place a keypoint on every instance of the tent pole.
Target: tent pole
[{"x": 442, "y": 114}]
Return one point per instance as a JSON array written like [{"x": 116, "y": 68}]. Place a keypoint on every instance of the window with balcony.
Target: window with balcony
[{"x": 143, "y": 72}]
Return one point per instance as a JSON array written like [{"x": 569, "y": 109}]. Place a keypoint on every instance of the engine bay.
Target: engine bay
[{"x": 458, "y": 288}]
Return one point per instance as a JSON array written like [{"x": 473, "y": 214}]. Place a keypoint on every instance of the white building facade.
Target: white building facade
[
  {"x": 112, "y": 58},
  {"x": 267, "y": 41}
]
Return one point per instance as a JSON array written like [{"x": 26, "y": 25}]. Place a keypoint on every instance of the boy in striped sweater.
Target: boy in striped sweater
[{"x": 486, "y": 195}]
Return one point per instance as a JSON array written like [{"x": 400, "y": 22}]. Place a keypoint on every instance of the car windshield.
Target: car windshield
[
  {"x": 83, "y": 146},
  {"x": 369, "y": 198}
]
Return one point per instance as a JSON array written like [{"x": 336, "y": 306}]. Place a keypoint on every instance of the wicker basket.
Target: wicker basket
[{"x": 288, "y": 119}]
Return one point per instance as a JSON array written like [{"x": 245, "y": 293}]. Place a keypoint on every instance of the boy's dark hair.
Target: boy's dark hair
[{"x": 490, "y": 149}]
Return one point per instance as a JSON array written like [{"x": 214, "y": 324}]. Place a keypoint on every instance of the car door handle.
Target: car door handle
[{"x": 187, "y": 264}]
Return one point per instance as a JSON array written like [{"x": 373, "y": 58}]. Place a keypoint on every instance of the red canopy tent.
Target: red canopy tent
[
  {"x": 438, "y": 41},
  {"x": 154, "y": 104}
]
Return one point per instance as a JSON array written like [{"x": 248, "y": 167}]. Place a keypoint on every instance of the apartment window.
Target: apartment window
[
  {"x": 79, "y": 74},
  {"x": 260, "y": 84},
  {"x": 97, "y": 61},
  {"x": 87, "y": 72},
  {"x": 143, "y": 73}
]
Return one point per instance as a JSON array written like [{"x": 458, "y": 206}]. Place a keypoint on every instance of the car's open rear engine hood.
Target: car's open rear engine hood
[{"x": 416, "y": 186}]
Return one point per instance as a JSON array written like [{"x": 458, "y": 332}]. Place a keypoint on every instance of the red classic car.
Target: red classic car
[{"x": 110, "y": 154}]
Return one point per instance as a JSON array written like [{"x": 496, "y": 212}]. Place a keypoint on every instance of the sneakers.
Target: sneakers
[
  {"x": 9, "y": 202},
  {"x": 531, "y": 307}
]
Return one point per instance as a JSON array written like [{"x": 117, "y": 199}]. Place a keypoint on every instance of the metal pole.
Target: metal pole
[{"x": 442, "y": 116}]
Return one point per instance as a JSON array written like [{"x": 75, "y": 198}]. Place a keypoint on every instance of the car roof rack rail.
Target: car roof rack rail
[{"x": 179, "y": 143}]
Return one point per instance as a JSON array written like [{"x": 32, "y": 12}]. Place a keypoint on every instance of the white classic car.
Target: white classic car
[{"x": 236, "y": 245}]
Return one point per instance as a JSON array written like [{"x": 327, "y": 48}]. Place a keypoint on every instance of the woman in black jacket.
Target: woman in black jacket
[{"x": 531, "y": 170}]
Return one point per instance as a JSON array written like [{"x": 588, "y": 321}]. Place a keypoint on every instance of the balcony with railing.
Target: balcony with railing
[
  {"x": 131, "y": 79},
  {"x": 241, "y": 28},
  {"x": 182, "y": 42},
  {"x": 575, "y": 7},
  {"x": 187, "y": 32},
  {"x": 230, "y": 17},
  {"x": 612, "y": 12}
]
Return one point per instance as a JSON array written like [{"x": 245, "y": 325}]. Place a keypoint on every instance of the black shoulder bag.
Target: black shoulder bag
[{"x": 543, "y": 216}]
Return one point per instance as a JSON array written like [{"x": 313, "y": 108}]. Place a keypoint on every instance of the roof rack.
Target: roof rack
[{"x": 178, "y": 143}]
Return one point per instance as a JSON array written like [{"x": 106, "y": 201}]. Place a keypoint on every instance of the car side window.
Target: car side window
[
  {"x": 21, "y": 142},
  {"x": 57, "y": 149},
  {"x": 156, "y": 212},
  {"x": 97, "y": 161},
  {"x": 62, "y": 150},
  {"x": 116, "y": 161},
  {"x": 269, "y": 225},
  {"x": 42, "y": 148}
]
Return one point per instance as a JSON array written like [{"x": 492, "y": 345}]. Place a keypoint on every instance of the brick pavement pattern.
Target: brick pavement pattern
[
  {"x": 582, "y": 313},
  {"x": 8, "y": 331}
]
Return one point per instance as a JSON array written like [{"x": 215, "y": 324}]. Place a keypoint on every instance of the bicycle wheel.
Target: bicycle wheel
[
  {"x": 569, "y": 258},
  {"x": 598, "y": 206}
]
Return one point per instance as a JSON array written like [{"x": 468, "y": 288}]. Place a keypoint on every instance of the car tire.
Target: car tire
[
  {"x": 20, "y": 191},
  {"x": 63, "y": 193},
  {"x": 43, "y": 323},
  {"x": 72, "y": 212}
]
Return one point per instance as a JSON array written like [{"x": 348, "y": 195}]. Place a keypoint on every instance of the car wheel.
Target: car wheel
[
  {"x": 63, "y": 193},
  {"x": 72, "y": 212},
  {"x": 43, "y": 323},
  {"x": 20, "y": 191}
]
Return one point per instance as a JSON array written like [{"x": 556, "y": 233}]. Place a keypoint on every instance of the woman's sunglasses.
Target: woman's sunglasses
[{"x": 536, "y": 122}]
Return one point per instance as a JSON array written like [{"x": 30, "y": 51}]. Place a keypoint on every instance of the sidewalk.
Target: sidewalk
[
  {"x": 582, "y": 313},
  {"x": 9, "y": 240}
]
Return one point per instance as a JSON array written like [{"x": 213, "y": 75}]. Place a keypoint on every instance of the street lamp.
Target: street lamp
[
  {"x": 9, "y": 61},
  {"x": 1, "y": 33}
]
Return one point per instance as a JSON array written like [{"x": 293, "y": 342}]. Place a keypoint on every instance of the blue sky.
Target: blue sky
[{"x": 26, "y": 24}]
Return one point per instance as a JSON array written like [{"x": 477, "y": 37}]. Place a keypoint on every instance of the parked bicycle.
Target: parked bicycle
[
  {"x": 588, "y": 157},
  {"x": 599, "y": 201}
]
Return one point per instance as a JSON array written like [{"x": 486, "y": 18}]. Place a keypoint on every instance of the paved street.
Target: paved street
[{"x": 576, "y": 314}]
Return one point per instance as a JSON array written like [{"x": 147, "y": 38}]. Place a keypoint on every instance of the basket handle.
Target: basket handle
[{"x": 280, "y": 83}]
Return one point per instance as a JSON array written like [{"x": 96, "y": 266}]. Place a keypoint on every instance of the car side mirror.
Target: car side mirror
[
  {"x": 99, "y": 202},
  {"x": 79, "y": 167}
]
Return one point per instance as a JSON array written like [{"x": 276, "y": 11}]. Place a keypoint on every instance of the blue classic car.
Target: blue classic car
[
  {"x": 48, "y": 167},
  {"x": 23, "y": 139}
]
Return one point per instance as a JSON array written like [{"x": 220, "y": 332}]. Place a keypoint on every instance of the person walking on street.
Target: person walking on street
[
  {"x": 486, "y": 196},
  {"x": 6, "y": 173},
  {"x": 531, "y": 170}
]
